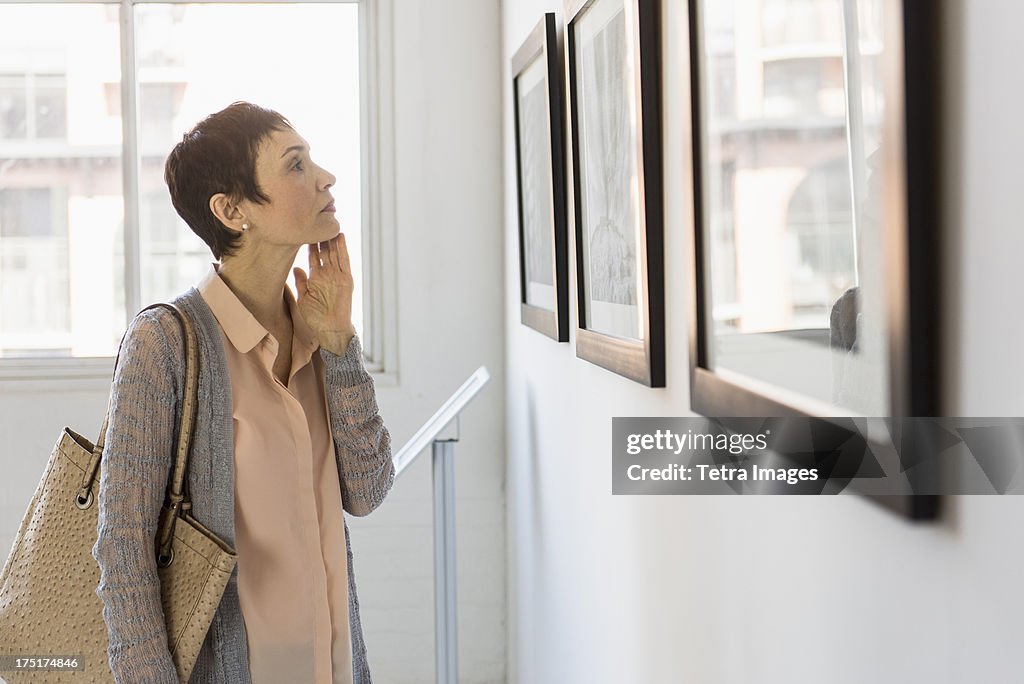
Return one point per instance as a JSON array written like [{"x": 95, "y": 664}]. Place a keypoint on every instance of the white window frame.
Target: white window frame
[{"x": 378, "y": 284}]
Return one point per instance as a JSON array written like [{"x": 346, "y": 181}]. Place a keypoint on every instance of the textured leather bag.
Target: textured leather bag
[{"x": 48, "y": 601}]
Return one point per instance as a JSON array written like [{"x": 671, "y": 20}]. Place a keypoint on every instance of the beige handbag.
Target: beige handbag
[{"x": 48, "y": 602}]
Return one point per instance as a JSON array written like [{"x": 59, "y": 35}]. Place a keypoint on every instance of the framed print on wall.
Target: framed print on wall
[
  {"x": 814, "y": 184},
  {"x": 540, "y": 173},
  {"x": 614, "y": 77}
]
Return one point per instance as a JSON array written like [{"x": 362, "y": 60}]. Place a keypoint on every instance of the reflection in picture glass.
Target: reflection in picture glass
[{"x": 791, "y": 114}]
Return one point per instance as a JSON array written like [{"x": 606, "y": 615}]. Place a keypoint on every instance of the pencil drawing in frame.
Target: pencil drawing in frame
[
  {"x": 613, "y": 57},
  {"x": 540, "y": 174},
  {"x": 814, "y": 253}
]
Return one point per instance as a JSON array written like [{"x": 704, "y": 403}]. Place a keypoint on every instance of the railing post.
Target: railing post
[{"x": 445, "y": 632}]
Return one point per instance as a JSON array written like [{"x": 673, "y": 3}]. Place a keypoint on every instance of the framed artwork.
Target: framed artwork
[
  {"x": 814, "y": 184},
  {"x": 540, "y": 173},
  {"x": 614, "y": 77}
]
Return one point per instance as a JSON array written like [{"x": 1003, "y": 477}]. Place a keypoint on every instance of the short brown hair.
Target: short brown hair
[{"x": 219, "y": 155}]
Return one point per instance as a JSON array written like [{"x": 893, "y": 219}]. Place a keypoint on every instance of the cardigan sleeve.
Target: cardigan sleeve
[
  {"x": 134, "y": 469},
  {"x": 362, "y": 443}
]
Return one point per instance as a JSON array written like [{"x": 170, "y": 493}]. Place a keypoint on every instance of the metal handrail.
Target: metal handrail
[
  {"x": 449, "y": 410},
  {"x": 445, "y": 632}
]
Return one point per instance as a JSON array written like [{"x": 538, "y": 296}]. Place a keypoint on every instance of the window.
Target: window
[
  {"x": 806, "y": 87},
  {"x": 819, "y": 221},
  {"x": 33, "y": 259},
  {"x": 796, "y": 22},
  {"x": 33, "y": 106},
  {"x": 88, "y": 235}
]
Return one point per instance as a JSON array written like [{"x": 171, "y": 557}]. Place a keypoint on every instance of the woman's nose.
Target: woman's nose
[{"x": 327, "y": 179}]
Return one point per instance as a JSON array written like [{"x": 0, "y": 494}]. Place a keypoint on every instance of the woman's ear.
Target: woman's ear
[{"x": 227, "y": 211}]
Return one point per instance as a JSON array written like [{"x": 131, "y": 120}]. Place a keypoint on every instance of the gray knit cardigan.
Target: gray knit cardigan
[{"x": 145, "y": 406}]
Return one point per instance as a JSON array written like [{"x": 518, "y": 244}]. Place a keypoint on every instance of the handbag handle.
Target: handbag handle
[{"x": 178, "y": 494}]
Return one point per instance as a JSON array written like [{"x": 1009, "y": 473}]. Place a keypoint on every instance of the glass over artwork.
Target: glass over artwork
[
  {"x": 609, "y": 186},
  {"x": 536, "y": 184},
  {"x": 791, "y": 119}
]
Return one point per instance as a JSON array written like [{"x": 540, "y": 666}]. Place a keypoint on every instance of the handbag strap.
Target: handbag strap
[{"x": 178, "y": 494}]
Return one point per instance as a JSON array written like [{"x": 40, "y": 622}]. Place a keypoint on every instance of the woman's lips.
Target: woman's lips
[{"x": 329, "y": 208}]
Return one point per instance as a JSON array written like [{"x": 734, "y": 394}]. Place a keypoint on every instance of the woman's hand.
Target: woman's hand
[{"x": 325, "y": 296}]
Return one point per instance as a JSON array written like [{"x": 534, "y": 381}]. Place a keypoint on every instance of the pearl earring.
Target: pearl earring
[{"x": 245, "y": 226}]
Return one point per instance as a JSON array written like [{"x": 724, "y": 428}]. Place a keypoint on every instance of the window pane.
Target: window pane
[
  {"x": 190, "y": 66},
  {"x": 50, "y": 108},
  {"x": 13, "y": 96},
  {"x": 61, "y": 244},
  {"x": 801, "y": 22}
]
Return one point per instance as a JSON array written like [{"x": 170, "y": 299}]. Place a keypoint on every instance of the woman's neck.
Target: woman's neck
[{"x": 258, "y": 280}]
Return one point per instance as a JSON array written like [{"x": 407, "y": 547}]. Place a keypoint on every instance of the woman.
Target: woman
[{"x": 287, "y": 433}]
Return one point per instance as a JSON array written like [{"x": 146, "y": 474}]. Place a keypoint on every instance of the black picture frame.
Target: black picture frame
[
  {"x": 542, "y": 44},
  {"x": 640, "y": 358},
  {"x": 911, "y": 219}
]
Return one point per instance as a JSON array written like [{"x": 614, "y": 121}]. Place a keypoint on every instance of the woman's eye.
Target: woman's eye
[{"x": 298, "y": 165}]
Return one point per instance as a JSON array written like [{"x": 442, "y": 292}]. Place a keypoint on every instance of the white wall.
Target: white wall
[
  {"x": 449, "y": 243},
  {"x": 771, "y": 589},
  {"x": 448, "y": 184}
]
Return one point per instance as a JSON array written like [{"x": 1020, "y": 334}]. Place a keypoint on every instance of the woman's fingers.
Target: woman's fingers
[
  {"x": 342, "y": 248},
  {"x": 325, "y": 252},
  {"x": 333, "y": 252},
  {"x": 314, "y": 257}
]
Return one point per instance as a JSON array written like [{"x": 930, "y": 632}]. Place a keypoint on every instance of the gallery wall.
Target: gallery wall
[{"x": 606, "y": 588}]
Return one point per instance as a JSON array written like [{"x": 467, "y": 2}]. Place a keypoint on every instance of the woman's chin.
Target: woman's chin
[{"x": 330, "y": 226}]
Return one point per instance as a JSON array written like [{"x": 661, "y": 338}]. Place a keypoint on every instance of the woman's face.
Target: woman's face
[{"x": 301, "y": 209}]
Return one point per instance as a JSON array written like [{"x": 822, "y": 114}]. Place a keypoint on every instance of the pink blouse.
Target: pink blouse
[{"x": 289, "y": 531}]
